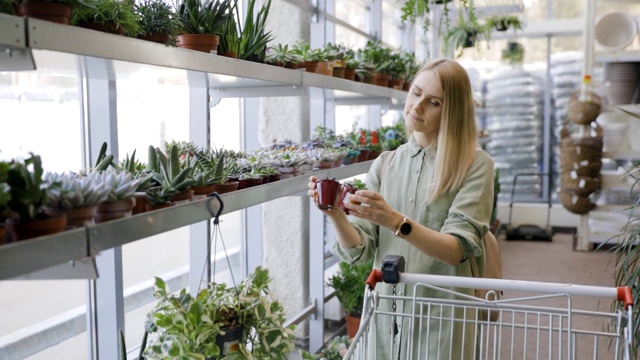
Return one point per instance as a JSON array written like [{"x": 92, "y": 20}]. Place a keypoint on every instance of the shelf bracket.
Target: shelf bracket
[{"x": 15, "y": 59}]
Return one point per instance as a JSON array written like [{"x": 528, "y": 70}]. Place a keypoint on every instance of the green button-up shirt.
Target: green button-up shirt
[{"x": 464, "y": 213}]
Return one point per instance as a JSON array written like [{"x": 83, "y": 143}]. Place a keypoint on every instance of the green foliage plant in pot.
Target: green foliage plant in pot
[
  {"x": 350, "y": 64},
  {"x": 156, "y": 20},
  {"x": 199, "y": 23},
  {"x": 75, "y": 196},
  {"x": 110, "y": 16},
  {"x": 465, "y": 34},
  {"x": 513, "y": 54},
  {"x": 231, "y": 37},
  {"x": 349, "y": 285},
  {"x": 214, "y": 164},
  {"x": 254, "y": 34},
  {"x": 28, "y": 198},
  {"x": 350, "y": 188},
  {"x": 502, "y": 22},
  {"x": 192, "y": 327}
]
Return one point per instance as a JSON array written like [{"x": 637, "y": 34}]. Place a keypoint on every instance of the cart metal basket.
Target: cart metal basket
[{"x": 537, "y": 320}]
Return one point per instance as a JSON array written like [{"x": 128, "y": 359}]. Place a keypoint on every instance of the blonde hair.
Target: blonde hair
[{"x": 456, "y": 143}]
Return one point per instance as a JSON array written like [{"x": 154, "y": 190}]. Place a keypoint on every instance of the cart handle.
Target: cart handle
[
  {"x": 375, "y": 276},
  {"x": 624, "y": 295}
]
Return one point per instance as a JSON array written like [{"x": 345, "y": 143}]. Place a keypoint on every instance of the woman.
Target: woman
[{"x": 432, "y": 207}]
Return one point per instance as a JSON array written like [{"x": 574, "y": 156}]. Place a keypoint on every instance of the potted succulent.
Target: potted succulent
[
  {"x": 199, "y": 23},
  {"x": 119, "y": 203},
  {"x": 213, "y": 177},
  {"x": 248, "y": 316},
  {"x": 28, "y": 192},
  {"x": 350, "y": 64},
  {"x": 75, "y": 196},
  {"x": 283, "y": 56},
  {"x": 111, "y": 16},
  {"x": 170, "y": 174},
  {"x": 349, "y": 285},
  {"x": 156, "y": 20}
]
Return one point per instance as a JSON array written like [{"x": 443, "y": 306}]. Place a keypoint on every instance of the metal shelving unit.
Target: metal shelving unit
[{"x": 78, "y": 244}]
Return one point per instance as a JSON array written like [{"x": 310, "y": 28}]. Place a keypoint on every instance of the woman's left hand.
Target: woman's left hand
[{"x": 370, "y": 205}]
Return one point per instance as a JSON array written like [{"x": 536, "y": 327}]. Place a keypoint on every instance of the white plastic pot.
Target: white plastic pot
[{"x": 615, "y": 31}]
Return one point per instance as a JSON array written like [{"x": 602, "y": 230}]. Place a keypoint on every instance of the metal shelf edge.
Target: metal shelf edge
[
  {"x": 31, "y": 255},
  {"x": 12, "y": 31},
  {"x": 119, "y": 232}
]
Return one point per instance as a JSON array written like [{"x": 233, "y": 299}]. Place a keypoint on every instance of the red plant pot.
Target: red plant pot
[
  {"x": 50, "y": 11},
  {"x": 327, "y": 191},
  {"x": 346, "y": 189}
]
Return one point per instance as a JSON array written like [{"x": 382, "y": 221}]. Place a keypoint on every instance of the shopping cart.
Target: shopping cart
[{"x": 540, "y": 322}]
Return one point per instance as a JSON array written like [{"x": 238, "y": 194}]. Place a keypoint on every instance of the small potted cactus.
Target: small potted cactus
[
  {"x": 122, "y": 188},
  {"x": 75, "y": 196}
]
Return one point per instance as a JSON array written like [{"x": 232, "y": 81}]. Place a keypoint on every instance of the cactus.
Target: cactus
[{"x": 70, "y": 191}]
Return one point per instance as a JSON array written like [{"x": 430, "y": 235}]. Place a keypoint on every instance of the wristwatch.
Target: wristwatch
[{"x": 403, "y": 229}]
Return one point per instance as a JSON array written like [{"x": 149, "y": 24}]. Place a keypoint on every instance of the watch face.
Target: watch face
[{"x": 405, "y": 229}]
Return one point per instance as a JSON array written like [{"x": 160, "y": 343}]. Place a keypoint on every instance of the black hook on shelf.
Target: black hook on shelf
[{"x": 216, "y": 217}]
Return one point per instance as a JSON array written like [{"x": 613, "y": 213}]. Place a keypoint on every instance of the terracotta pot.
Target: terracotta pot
[
  {"x": 229, "y": 186},
  {"x": 243, "y": 184},
  {"x": 150, "y": 207},
  {"x": 113, "y": 210},
  {"x": 3, "y": 234},
  {"x": 183, "y": 197},
  {"x": 327, "y": 192},
  {"x": 373, "y": 154},
  {"x": 140, "y": 202},
  {"x": 349, "y": 74},
  {"x": 50, "y": 11},
  {"x": 107, "y": 28},
  {"x": 203, "y": 43},
  {"x": 323, "y": 164},
  {"x": 274, "y": 177},
  {"x": 364, "y": 155},
  {"x": 324, "y": 68},
  {"x": 201, "y": 192},
  {"x": 77, "y": 217},
  {"x": 382, "y": 80},
  {"x": 395, "y": 84},
  {"x": 308, "y": 66},
  {"x": 353, "y": 323},
  {"x": 254, "y": 182},
  {"x": 229, "y": 54},
  {"x": 338, "y": 72},
  {"x": 41, "y": 226},
  {"x": 157, "y": 38},
  {"x": 291, "y": 65},
  {"x": 346, "y": 189}
]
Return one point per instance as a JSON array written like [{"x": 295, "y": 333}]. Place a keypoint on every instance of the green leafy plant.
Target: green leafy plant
[
  {"x": 28, "y": 190},
  {"x": 159, "y": 196},
  {"x": 155, "y": 17},
  {"x": 5, "y": 189},
  {"x": 349, "y": 285},
  {"x": 464, "y": 34},
  {"x": 502, "y": 22},
  {"x": 7, "y": 7},
  {"x": 358, "y": 185},
  {"x": 254, "y": 34},
  {"x": 212, "y": 167},
  {"x": 231, "y": 37},
  {"x": 514, "y": 53},
  {"x": 113, "y": 13},
  {"x": 187, "y": 326},
  {"x": 206, "y": 17}
]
